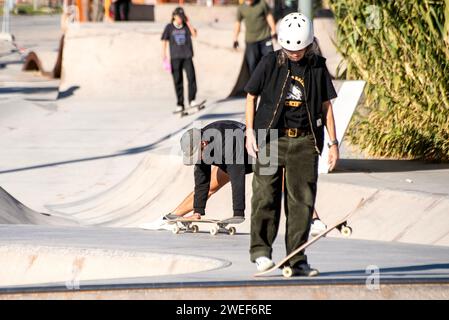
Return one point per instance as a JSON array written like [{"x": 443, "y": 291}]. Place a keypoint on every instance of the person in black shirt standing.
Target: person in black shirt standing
[
  {"x": 178, "y": 36},
  {"x": 295, "y": 90}
]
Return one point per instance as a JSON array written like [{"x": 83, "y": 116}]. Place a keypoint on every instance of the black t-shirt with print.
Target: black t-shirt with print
[
  {"x": 180, "y": 40},
  {"x": 294, "y": 113}
]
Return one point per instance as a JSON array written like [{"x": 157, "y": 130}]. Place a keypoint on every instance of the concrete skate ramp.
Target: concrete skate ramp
[
  {"x": 30, "y": 265},
  {"x": 48, "y": 63},
  {"x": 325, "y": 29},
  {"x": 239, "y": 88},
  {"x": 154, "y": 188},
  {"x": 13, "y": 211},
  {"x": 122, "y": 61}
]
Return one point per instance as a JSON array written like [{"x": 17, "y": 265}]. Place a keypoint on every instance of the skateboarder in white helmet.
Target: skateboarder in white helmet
[{"x": 294, "y": 89}]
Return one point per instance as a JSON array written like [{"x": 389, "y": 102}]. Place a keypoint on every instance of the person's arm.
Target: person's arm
[
  {"x": 251, "y": 143},
  {"x": 164, "y": 49},
  {"x": 202, "y": 174},
  {"x": 193, "y": 31},
  {"x": 272, "y": 24},
  {"x": 237, "y": 176},
  {"x": 330, "y": 127},
  {"x": 237, "y": 27},
  {"x": 164, "y": 38}
]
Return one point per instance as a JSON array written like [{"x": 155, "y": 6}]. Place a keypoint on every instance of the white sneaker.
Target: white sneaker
[
  {"x": 317, "y": 227},
  {"x": 159, "y": 224},
  {"x": 264, "y": 263},
  {"x": 179, "y": 109},
  {"x": 193, "y": 104}
]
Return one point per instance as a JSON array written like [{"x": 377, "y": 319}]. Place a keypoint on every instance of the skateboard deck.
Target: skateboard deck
[
  {"x": 186, "y": 224},
  {"x": 341, "y": 224},
  {"x": 191, "y": 110}
]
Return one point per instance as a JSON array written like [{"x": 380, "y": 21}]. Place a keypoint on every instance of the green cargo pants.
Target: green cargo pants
[{"x": 298, "y": 157}]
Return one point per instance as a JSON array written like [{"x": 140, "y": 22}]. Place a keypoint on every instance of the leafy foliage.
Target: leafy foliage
[{"x": 401, "y": 48}]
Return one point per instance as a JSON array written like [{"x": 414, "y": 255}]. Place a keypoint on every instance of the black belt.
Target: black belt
[{"x": 295, "y": 132}]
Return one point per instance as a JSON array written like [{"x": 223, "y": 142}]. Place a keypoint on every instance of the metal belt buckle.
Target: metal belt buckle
[{"x": 292, "y": 132}]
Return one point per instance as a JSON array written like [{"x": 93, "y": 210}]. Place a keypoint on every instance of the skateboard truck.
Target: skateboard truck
[
  {"x": 186, "y": 226},
  {"x": 344, "y": 229},
  {"x": 221, "y": 227}
]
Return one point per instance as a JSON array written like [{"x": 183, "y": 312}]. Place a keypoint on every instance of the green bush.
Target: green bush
[{"x": 401, "y": 48}]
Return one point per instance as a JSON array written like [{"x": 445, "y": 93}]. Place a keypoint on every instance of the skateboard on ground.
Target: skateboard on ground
[
  {"x": 191, "y": 110},
  {"x": 188, "y": 225},
  {"x": 341, "y": 225}
]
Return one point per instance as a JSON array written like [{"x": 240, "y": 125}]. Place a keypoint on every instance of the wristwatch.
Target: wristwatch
[{"x": 332, "y": 142}]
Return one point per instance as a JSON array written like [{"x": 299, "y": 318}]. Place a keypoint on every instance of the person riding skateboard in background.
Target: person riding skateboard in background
[
  {"x": 295, "y": 90},
  {"x": 178, "y": 36},
  {"x": 260, "y": 31}
]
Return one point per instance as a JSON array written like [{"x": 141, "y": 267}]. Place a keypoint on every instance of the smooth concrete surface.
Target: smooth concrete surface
[
  {"x": 30, "y": 264},
  {"x": 339, "y": 261},
  {"x": 428, "y": 291}
]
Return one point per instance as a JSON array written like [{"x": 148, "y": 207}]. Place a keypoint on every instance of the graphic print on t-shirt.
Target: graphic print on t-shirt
[
  {"x": 294, "y": 114},
  {"x": 179, "y": 36},
  {"x": 295, "y": 95}
]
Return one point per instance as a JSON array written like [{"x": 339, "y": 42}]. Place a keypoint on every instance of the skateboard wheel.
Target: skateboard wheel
[
  {"x": 340, "y": 226},
  {"x": 195, "y": 229},
  {"x": 232, "y": 231},
  {"x": 214, "y": 231},
  {"x": 176, "y": 230},
  {"x": 346, "y": 231},
  {"x": 287, "y": 272}
]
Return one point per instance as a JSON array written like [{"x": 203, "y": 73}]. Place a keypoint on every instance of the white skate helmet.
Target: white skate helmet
[{"x": 295, "y": 32}]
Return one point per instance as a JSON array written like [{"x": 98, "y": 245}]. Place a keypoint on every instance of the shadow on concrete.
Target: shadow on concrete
[
  {"x": 122, "y": 153},
  {"x": 220, "y": 116},
  {"x": 67, "y": 93},
  {"x": 362, "y": 165},
  {"x": 5, "y": 64},
  {"x": 416, "y": 270},
  {"x": 27, "y": 90}
]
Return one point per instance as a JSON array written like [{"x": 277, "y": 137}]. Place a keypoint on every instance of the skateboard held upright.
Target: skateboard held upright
[{"x": 341, "y": 225}]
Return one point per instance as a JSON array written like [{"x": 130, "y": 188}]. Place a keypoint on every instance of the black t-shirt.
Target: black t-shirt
[
  {"x": 180, "y": 41},
  {"x": 294, "y": 113}
]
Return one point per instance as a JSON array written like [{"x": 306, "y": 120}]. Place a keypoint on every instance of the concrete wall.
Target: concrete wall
[{"x": 198, "y": 14}]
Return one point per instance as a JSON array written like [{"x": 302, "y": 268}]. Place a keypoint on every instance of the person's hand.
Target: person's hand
[
  {"x": 251, "y": 144},
  {"x": 333, "y": 157},
  {"x": 164, "y": 57},
  {"x": 235, "y": 45}
]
